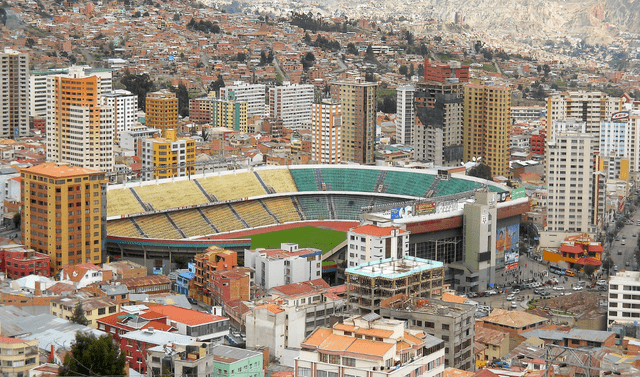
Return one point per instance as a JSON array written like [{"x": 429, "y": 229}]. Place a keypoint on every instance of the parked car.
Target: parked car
[
  {"x": 626, "y": 263},
  {"x": 617, "y": 238},
  {"x": 619, "y": 252},
  {"x": 192, "y": 301},
  {"x": 601, "y": 282},
  {"x": 511, "y": 297},
  {"x": 514, "y": 305},
  {"x": 544, "y": 293},
  {"x": 578, "y": 288},
  {"x": 515, "y": 291},
  {"x": 602, "y": 288},
  {"x": 566, "y": 293},
  {"x": 484, "y": 308},
  {"x": 558, "y": 288}
]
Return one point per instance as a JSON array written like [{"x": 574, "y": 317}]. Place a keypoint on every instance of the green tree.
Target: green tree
[
  {"x": 351, "y": 49},
  {"x": 409, "y": 37},
  {"x": 91, "y": 356},
  {"x": 139, "y": 85},
  {"x": 589, "y": 269},
  {"x": 403, "y": 70},
  {"x": 481, "y": 170},
  {"x": 183, "y": 99},
  {"x": 176, "y": 17},
  {"x": 78, "y": 315},
  {"x": 215, "y": 86},
  {"x": 30, "y": 43}
]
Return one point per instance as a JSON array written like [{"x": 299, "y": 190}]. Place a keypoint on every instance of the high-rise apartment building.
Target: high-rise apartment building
[
  {"x": 125, "y": 108},
  {"x": 38, "y": 86},
  {"x": 231, "y": 114},
  {"x": 168, "y": 157},
  {"x": 252, "y": 94},
  {"x": 200, "y": 110},
  {"x": 589, "y": 107},
  {"x": 161, "y": 110},
  {"x": 326, "y": 125},
  {"x": 405, "y": 114},
  {"x": 64, "y": 213},
  {"x": 623, "y": 298},
  {"x": 437, "y": 133},
  {"x": 487, "y": 126},
  {"x": 80, "y": 124},
  {"x": 572, "y": 198},
  {"x": 618, "y": 146},
  {"x": 292, "y": 104},
  {"x": 14, "y": 101},
  {"x": 444, "y": 72},
  {"x": 357, "y": 101}
]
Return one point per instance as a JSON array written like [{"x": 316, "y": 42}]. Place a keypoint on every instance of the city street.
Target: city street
[{"x": 628, "y": 250}]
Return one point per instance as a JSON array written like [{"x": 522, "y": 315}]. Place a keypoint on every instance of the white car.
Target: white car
[
  {"x": 515, "y": 291},
  {"x": 511, "y": 297},
  {"x": 578, "y": 288},
  {"x": 514, "y": 305},
  {"x": 558, "y": 288},
  {"x": 601, "y": 282},
  {"x": 566, "y": 293}
]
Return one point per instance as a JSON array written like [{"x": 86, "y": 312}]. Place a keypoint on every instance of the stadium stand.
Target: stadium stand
[
  {"x": 123, "y": 227},
  {"x": 176, "y": 194},
  {"x": 305, "y": 179},
  {"x": 348, "y": 207},
  {"x": 280, "y": 180},
  {"x": 253, "y": 214},
  {"x": 361, "y": 180},
  {"x": 283, "y": 208},
  {"x": 158, "y": 226},
  {"x": 407, "y": 183},
  {"x": 222, "y": 217},
  {"x": 314, "y": 206},
  {"x": 122, "y": 202},
  {"x": 454, "y": 186},
  {"x": 232, "y": 186},
  {"x": 191, "y": 223}
]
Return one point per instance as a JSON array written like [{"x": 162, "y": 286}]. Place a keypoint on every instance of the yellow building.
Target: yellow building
[
  {"x": 487, "y": 126},
  {"x": 94, "y": 308},
  {"x": 326, "y": 126},
  {"x": 18, "y": 356},
  {"x": 496, "y": 343},
  {"x": 168, "y": 157},
  {"x": 64, "y": 213},
  {"x": 231, "y": 114},
  {"x": 161, "y": 110}
]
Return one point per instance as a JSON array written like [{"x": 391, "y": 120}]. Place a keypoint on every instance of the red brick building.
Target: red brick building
[
  {"x": 538, "y": 140},
  {"x": 18, "y": 261},
  {"x": 441, "y": 72},
  {"x": 227, "y": 286},
  {"x": 200, "y": 110},
  {"x": 214, "y": 259}
]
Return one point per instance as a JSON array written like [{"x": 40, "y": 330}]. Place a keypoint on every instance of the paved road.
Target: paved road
[{"x": 628, "y": 249}]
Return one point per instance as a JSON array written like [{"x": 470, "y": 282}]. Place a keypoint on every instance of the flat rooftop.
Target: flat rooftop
[{"x": 394, "y": 268}]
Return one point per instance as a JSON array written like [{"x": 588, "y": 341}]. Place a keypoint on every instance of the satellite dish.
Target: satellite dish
[{"x": 474, "y": 159}]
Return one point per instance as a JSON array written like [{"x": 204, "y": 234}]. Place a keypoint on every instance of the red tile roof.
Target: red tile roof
[
  {"x": 303, "y": 287},
  {"x": 52, "y": 169},
  {"x": 186, "y": 316}
]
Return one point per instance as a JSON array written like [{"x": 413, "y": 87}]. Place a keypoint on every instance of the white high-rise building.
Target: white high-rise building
[
  {"x": 570, "y": 179},
  {"x": 405, "y": 114},
  {"x": 252, "y": 94},
  {"x": 291, "y": 104},
  {"x": 326, "y": 127},
  {"x": 80, "y": 124},
  {"x": 589, "y": 107},
  {"x": 14, "y": 86},
  {"x": 125, "y": 108},
  {"x": 624, "y": 295},
  {"x": 38, "y": 86}
]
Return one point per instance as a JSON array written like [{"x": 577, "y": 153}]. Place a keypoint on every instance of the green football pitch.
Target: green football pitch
[{"x": 308, "y": 236}]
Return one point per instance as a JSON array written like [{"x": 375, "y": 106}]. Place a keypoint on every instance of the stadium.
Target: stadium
[{"x": 154, "y": 222}]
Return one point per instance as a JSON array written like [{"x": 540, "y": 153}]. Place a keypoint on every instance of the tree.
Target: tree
[
  {"x": 3, "y": 16},
  {"x": 403, "y": 70},
  {"x": 30, "y": 43},
  {"x": 589, "y": 269},
  {"x": 546, "y": 69},
  {"x": 308, "y": 60},
  {"x": 91, "y": 356},
  {"x": 263, "y": 58},
  {"x": 78, "y": 315},
  {"x": 139, "y": 85},
  {"x": 409, "y": 37},
  {"x": 183, "y": 99},
  {"x": 215, "y": 86},
  {"x": 478, "y": 46},
  {"x": 307, "y": 38},
  {"x": 351, "y": 49},
  {"x": 481, "y": 170},
  {"x": 176, "y": 17},
  {"x": 137, "y": 14}
]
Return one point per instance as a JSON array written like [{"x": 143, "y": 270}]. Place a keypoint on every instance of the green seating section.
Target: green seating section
[
  {"x": 314, "y": 206},
  {"x": 361, "y": 180},
  {"x": 407, "y": 183},
  {"x": 348, "y": 208},
  {"x": 305, "y": 179},
  {"x": 454, "y": 186}
]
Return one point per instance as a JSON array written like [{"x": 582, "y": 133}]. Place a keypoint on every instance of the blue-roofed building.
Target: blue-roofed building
[{"x": 182, "y": 282}]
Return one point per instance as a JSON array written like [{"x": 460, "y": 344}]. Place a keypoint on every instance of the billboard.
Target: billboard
[
  {"x": 507, "y": 244},
  {"x": 401, "y": 212},
  {"x": 425, "y": 209},
  {"x": 504, "y": 196},
  {"x": 620, "y": 115},
  {"x": 518, "y": 193}
]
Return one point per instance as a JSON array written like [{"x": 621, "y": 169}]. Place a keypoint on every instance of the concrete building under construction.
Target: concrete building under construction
[{"x": 370, "y": 283}]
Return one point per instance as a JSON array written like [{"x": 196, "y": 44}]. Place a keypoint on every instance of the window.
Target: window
[
  {"x": 349, "y": 361},
  {"x": 101, "y": 311},
  {"x": 304, "y": 372}
]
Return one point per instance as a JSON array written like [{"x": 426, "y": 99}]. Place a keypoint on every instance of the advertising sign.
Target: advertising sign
[
  {"x": 507, "y": 244},
  {"x": 401, "y": 212},
  {"x": 425, "y": 209},
  {"x": 518, "y": 193},
  {"x": 620, "y": 115}
]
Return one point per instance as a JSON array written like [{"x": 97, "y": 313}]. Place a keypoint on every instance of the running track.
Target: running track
[{"x": 342, "y": 226}]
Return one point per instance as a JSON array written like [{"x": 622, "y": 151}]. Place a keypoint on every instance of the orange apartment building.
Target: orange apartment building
[
  {"x": 487, "y": 126},
  {"x": 213, "y": 259},
  {"x": 80, "y": 125},
  {"x": 326, "y": 126},
  {"x": 161, "y": 110},
  {"x": 64, "y": 213}
]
